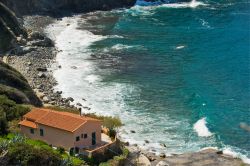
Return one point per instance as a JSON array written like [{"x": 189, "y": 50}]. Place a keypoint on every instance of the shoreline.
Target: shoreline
[{"x": 37, "y": 67}]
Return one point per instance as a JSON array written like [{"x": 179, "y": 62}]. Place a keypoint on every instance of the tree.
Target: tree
[{"x": 3, "y": 123}]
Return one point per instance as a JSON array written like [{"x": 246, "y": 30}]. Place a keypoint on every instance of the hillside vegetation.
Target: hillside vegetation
[{"x": 15, "y": 86}]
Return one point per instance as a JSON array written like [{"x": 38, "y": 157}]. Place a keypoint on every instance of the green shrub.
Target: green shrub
[
  {"x": 3, "y": 145},
  {"x": 117, "y": 160},
  {"x": 61, "y": 150},
  {"x": 11, "y": 109},
  {"x": 25, "y": 154},
  {"x": 108, "y": 121}
]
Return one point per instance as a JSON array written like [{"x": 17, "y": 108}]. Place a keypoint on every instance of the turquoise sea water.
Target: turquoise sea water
[{"x": 177, "y": 74}]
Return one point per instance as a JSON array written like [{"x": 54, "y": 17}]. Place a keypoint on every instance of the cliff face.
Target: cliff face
[
  {"x": 24, "y": 7},
  {"x": 10, "y": 28}
]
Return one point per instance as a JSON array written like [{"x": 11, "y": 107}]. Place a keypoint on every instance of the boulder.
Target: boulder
[
  {"x": 143, "y": 160},
  {"x": 42, "y": 69},
  {"x": 163, "y": 145},
  {"x": 132, "y": 131},
  {"x": 36, "y": 36},
  {"x": 21, "y": 40},
  {"x": 46, "y": 99},
  {"x": 162, "y": 163},
  {"x": 151, "y": 156},
  {"x": 69, "y": 99},
  {"x": 41, "y": 75},
  {"x": 79, "y": 104},
  {"x": 126, "y": 143},
  {"x": 46, "y": 42},
  {"x": 219, "y": 152},
  {"x": 52, "y": 102},
  {"x": 40, "y": 95},
  {"x": 162, "y": 155}
]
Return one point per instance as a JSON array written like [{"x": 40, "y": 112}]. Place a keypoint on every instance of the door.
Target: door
[{"x": 93, "y": 138}]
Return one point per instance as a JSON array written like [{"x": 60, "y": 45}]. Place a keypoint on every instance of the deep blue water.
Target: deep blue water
[
  {"x": 178, "y": 65},
  {"x": 208, "y": 76}
]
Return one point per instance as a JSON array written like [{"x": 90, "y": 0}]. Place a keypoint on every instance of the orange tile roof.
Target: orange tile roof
[
  {"x": 61, "y": 120},
  {"x": 36, "y": 114},
  {"x": 28, "y": 124}
]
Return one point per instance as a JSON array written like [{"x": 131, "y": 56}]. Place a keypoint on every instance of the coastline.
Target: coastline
[
  {"x": 38, "y": 64},
  {"x": 41, "y": 60}
]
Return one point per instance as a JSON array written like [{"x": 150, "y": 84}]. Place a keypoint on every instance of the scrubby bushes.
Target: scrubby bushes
[
  {"x": 117, "y": 160},
  {"x": 9, "y": 111},
  {"x": 25, "y": 154},
  {"x": 24, "y": 151},
  {"x": 16, "y": 87}
]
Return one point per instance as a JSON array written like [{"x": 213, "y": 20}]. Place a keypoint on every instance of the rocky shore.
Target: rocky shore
[
  {"x": 35, "y": 59},
  {"x": 208, "y": 157}
]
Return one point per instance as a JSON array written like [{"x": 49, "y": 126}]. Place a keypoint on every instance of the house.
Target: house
[{"x": 62, "y": 129}]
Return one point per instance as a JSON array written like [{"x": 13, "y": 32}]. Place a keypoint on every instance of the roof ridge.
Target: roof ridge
[{"x": 79, "y": 126}]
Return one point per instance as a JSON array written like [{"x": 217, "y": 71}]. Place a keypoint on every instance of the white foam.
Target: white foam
[
  {"x": 179, "y": 47},
  {"x": 92, "y": 78},
  {"x": 116, "y": 36},
  {"x": 229, "y": 151},
  {"x": 201, "y": 128},
  {"x": 192, "y": 4},
  {"x": 121, "y": 47}
]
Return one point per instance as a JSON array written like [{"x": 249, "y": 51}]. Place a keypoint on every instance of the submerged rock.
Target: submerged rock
[
  {"x": 79, "y": 104},
  {"x": 69, "y": 99},
  {"x": 162, "y": 155},
  {"x": 163, "y": 145}
]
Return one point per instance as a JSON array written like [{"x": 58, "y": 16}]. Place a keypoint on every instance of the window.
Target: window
[
  {"x": 77, "y": 138},
  {"x": 85, "y": 136},
  {"x": 32, "y": 131},
  {"x": 81, "y": 135},
  {"x": 41, "y": 132}
]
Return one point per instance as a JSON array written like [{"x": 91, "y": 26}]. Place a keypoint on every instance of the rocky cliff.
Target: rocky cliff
[
  {"x": 24, "y": 7},
  {"x": 10, "y": 28}
]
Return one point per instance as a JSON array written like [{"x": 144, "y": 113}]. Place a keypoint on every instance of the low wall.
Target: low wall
[{"x": 104, "y": 152}]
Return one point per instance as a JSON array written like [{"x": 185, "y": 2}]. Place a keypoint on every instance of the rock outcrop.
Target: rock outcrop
[
  {"x": 24, "y": 7},
  {"x": 11, "y": 31}
]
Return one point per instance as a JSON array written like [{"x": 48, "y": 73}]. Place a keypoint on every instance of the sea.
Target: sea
[{"x": 176, "y": 73}]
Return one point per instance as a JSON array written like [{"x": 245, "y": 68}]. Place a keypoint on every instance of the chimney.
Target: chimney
[{"x": 80, "y": 111}]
